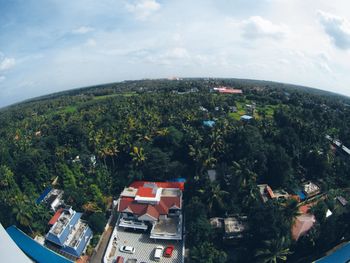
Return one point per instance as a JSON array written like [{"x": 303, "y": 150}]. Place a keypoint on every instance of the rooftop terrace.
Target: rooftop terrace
[{"x": 62, "y": 222}]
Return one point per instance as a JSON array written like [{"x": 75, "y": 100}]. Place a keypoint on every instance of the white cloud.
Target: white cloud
[
  {"x": 82, "y": 30},
  {"x": 258, "y": 27},
  {"x": 7, "y": 63},
  {"x": 337, "y": 28},
  {"x": 142, "y": 9}
]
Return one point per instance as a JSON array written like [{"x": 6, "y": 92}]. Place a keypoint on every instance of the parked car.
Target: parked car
[
  {"x": 119, "y": 259},
  {"x": 168, "y": 252},
  {"x": 131, "y": 260},
  {"x": 158, "y": 251},
  {"x": 127, "y": 249}
]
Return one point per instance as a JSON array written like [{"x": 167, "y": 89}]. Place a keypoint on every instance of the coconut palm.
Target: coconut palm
[
  {"x": 274, "y": 251},
  {"x": 214, "y": 194}
]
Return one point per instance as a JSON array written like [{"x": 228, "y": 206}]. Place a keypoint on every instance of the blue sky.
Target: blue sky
[{"x": 53, "y": 45}]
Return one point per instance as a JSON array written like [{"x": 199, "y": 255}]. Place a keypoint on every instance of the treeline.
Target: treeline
[{"x": 150, "y": 130}]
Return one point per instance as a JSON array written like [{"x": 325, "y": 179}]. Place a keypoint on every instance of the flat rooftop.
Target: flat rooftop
[
  {"x": 61, "y": 223},
  {"x": 74, "y": 238},
  {"x": 170, "y": 227},
  {"x": 171, "y": 192}
]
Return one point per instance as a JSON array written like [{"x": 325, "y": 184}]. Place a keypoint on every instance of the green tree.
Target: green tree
[{"x": 273, "y": 251}]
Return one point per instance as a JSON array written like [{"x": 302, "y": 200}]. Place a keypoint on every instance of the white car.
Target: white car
[
  {"x": 158, "y": 252},
  {"x": 127, "y": 249}
]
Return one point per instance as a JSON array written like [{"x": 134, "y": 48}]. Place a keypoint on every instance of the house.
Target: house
[
  {"x": 246, "y": 118},
  {"x": 281, "y": 194},
  {"x": 10, "y": 250},
  {"x": 209, "y": 123},
  {"x": 342, "y": 200},
  {"x": 68, "y": 233},
  {"x": 235, "y": 227},
  {"x": 338, "y": 254},
  {"x": 216, "y": 222},
  {"x": 266, "y": 192},
  {"x": 227, "y": 90},
  {"x": 212, "y": 175},
  {"x": 201, "y": 108},
  {"x": 153, "y": 205},
  {"x": 53, "y": 198},
  {"x": 232, "y": 108},
  {"x": 34, "y": 250},
  {"x": 311, "y": 189},
  {"x": 302, "y": 224}
]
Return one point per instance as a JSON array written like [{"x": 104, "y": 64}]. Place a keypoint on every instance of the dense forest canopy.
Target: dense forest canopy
[{"x": 153, "y": 130}]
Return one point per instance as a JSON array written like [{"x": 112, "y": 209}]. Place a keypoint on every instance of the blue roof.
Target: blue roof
[
  {"x": 301, "y": 195},
  {"x": 60, "y": 239},
  {"x": 43, "y": 195},
  {"x": 178, "y": 180},
  {"x": 33, "y": 249},
  {"x": 77, "y": 251},
  {"x": 209, "y": 123},
  {"x": 340, "y": 255}
]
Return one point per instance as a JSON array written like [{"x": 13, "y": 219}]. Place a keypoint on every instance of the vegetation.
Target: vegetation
[{"x": 153, "y": 130}]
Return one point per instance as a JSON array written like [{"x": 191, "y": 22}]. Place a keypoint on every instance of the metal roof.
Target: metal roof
[
  {"x": 10, "y": 250},
  {"x": 43, "y": 195},
  {"x": 33, "y": 249}
]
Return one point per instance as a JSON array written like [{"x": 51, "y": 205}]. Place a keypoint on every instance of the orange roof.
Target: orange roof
[
  {"x": 145, "y": 192},
  {"x": 54, "y": 219}
]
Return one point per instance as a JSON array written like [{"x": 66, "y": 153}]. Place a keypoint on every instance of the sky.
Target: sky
[{"x": 53, "y": 45}]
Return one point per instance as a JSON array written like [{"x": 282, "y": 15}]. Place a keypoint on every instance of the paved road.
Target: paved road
[{"x": 98, "y": 255}]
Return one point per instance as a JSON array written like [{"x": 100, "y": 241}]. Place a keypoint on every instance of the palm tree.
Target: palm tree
[
  {"x": 274, "y": 251},
  {"x": 214, "y": 194},
  {"x": 23, "y": 213}
]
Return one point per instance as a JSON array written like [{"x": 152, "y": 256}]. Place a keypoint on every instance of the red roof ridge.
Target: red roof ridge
[{"x": 55, "y": 217}]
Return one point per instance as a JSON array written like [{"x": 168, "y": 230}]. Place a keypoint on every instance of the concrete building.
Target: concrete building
[
  {"x": 68, "y": 233},
  {"x": 153, "y": 205}
]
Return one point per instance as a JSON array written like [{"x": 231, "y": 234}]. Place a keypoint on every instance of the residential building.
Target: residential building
[
  {"x": 235, "y": 227},
  {"x": 216, "y": 222},
  {"x": 68, "y": 233},
  {"x": 311, "y": 189},
  {"x": 266, "y": 192},
  {"x": 246, "y": 118},
  {"x": 209, "y": 123},
  {"x": 153, "y": 205},
  {"x": 9, "y": 250},
  {"x": 302, "y": 224},
  {"x": 212, "y": 175},
  {"x": 227, "y": 90},
  {"x": 281, "y": 194},
  {"x": 53, "y": 198},
  {"x": 342, "y": 200},
  {"x": 338, "y": 254}
]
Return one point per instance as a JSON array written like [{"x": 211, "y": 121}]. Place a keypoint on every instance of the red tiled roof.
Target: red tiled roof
[
  {"x": 145, "y": 192},
  {"x": 54, "y": 219},
  {"x": 152, "y": 211},
  {"x": 171, "y": 201},
  {"x": 180, "y": 185},
  {"x": 162, "y": 208}
]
